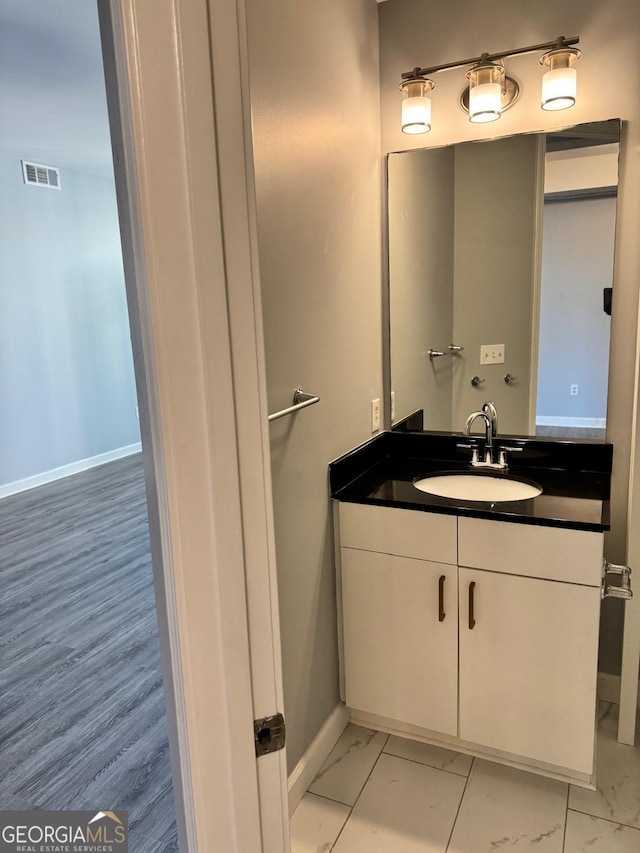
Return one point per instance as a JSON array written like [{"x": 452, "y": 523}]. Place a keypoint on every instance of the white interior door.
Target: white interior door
[{"x": 185, "y": 196}]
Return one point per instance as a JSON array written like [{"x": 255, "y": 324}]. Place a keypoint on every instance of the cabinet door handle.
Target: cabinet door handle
[
  {"x": 441, "y": 613},
  {"x": 472, "y": 619}
]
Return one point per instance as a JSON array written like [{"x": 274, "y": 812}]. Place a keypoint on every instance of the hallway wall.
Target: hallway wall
[
  {"x": 67, "y": 387},
  {"x": 66, "y": 370},
  {"x": 314, "y": 93}
]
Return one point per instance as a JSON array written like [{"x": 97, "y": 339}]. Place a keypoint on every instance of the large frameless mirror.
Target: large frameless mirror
[{"x": 500, "y": 281}]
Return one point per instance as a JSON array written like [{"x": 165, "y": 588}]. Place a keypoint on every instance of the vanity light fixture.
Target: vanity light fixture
[
  {"x": 486, "y": 86},
  {"x": 559, "y": 82},
  {"x": 491, "y": 91},
  {"x": 416, "y": 104}
]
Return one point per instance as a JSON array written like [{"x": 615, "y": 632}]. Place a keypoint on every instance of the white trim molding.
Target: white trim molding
[
  {"x": 307, "y": 768},
  {"x": 609, "y": 688},
  {"x": 170, "y": 149},
  {"x": 67, "y": 470}
]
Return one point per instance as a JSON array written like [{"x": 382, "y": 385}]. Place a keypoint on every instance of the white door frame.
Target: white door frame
[
  {"x": 631, "y": 636},
  {"x": 186, "y": 199},
  {"x": 627, "y": 268}
]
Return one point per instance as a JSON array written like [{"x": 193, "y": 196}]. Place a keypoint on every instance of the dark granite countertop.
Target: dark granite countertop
[{"x": 574, "y": 477}]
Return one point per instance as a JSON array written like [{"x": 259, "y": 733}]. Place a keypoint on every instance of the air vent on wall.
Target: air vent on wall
[{"x": 41, "y": 176}]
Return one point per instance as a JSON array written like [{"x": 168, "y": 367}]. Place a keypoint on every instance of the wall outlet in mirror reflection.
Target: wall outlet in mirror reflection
[{"x": 492, "y": 354}]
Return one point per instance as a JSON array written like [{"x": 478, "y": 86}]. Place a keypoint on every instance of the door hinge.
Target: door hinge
[
  {"x": 269, "y": 734},
  {"x": 621, "y": 590}
]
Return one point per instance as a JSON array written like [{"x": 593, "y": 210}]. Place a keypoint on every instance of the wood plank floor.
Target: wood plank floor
[
  {"x": 573, "y": 433},
  {"x": 82, "y": 712}
]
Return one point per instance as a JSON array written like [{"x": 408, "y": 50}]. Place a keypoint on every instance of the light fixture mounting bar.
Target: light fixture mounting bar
[{"x": 560, "y": 42}]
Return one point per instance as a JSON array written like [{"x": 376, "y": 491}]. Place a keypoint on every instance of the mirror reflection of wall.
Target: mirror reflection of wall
[
  {"x": 577, "y": 265},
  {"x": 506, "y": 245}
]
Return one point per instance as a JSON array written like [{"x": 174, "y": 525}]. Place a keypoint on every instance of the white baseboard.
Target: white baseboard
[
  {"x": 67, "y": 470},
  {"x": 306, "y": 769},
  {"x": 609, "y": 688},
  {"x": 558, "y": 420}
]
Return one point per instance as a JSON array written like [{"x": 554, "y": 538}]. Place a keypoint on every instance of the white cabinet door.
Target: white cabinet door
[
  {"x": 528, "y": 667},
  {"x": 400, "y": 638}
]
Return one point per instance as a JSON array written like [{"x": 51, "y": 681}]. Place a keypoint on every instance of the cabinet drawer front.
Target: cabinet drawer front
[
  {"x": 404, "y": 532},
  {"x": 400, "y": 638},
  {"x": 528, "y": 667},
  {"x": 552, "y": 553}
]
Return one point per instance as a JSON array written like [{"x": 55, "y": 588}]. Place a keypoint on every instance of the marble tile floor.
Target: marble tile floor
[{"x": 383, "y": 794}]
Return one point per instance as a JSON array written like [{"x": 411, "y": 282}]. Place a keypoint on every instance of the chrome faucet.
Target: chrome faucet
[
  {"x": 488, "y": 443},
  {"x": 489, "y": 415},
  {"x": 489, "y": 408}
]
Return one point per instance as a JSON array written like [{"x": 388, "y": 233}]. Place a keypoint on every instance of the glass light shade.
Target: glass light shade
[
  {"x": 485, "y": 92},
  {"x": 559, "y": 83},
  {"x": 416, "y": 106}
]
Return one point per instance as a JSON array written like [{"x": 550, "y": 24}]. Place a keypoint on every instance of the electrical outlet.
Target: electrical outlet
[
  {"x": 574, "y": 390},
  {"x": 492, "y": 354},
  {"x": 375, "y": 415},
  {"x": 393, "y": 406}
]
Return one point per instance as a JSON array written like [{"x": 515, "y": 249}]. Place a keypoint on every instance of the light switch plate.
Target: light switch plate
[{"x": 492, "y": 354}]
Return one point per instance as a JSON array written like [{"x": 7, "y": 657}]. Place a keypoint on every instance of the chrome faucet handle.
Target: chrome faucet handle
[
  {"x": 502, "y": 454},
  {"x": 474, "y": 451}
]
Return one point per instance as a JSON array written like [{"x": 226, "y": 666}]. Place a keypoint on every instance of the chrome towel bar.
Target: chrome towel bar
[{"x": 300, "y": 401}]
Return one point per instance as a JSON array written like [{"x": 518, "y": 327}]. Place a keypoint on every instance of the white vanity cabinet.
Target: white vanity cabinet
[
  {"x": 482, "y": 634},
  {"x": 400, "y": 615},
  {"x": 401, "y": 638},
  {"x": 529, "y": 643},
  {"x": 528, "y": 667}
]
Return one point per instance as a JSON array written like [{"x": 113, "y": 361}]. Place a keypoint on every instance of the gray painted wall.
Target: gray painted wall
[
  {"x": 413, "y": 32},
  {"x": 497, "y": 192},
  {"x": 314, "y": 92},
  {"x": 577, "y": 263},
  {"x": 66, "y": 373},
  {"x": 52, "y": 83},
  {"x": 421, "y": 232}
]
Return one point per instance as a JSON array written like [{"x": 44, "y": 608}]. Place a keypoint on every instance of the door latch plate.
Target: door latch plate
[{"x": 269, "y": 734}]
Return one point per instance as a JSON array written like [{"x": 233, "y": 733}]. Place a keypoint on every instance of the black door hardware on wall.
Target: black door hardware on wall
[{"x": 269, "y": 734}]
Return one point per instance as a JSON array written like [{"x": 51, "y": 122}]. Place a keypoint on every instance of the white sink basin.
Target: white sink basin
[{"x": 477, "y": 487}]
